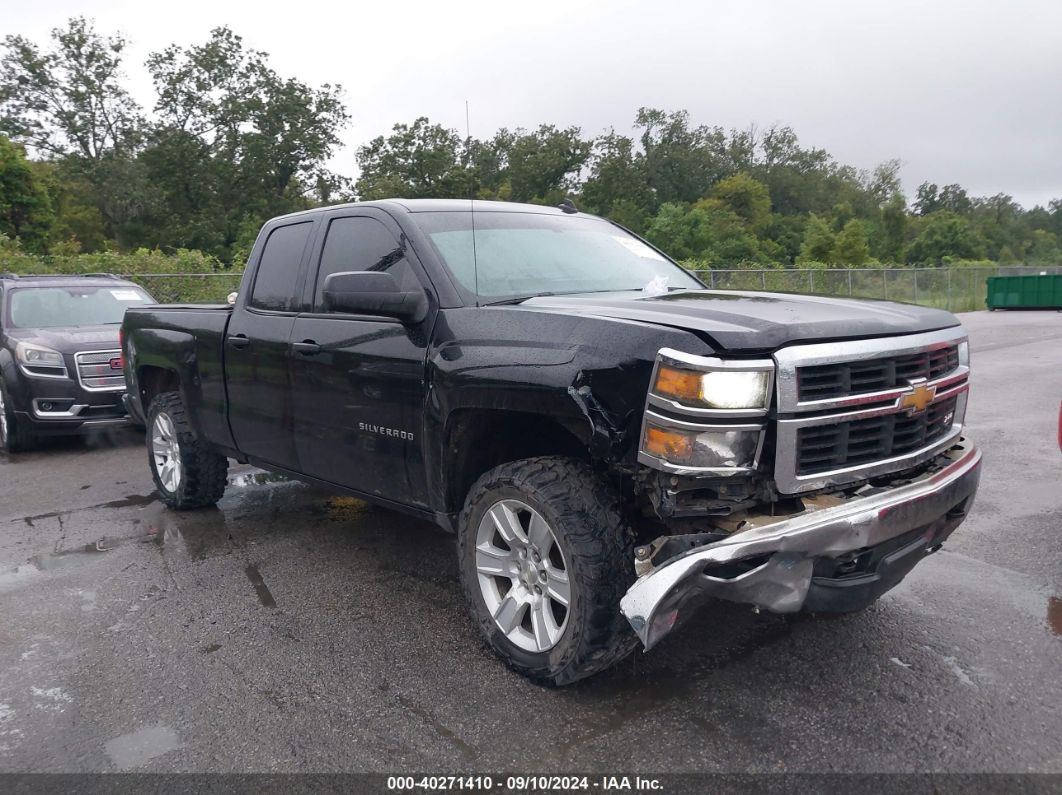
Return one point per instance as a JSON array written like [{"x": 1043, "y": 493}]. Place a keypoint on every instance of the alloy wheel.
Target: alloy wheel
[
  {"x": 523, "y": 575},
  {"x": 166, "y": 453}
]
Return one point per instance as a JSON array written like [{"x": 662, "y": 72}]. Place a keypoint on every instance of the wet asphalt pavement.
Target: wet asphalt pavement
[{"x": 292, "y": 631}]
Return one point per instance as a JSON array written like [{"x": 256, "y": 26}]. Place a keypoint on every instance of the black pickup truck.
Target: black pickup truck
[{"x": 612, "y": 443}]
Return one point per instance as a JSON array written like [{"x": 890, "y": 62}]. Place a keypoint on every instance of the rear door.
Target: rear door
[
  {"x": 257, "y": 375},
  {"x": 358, "y": 380}
]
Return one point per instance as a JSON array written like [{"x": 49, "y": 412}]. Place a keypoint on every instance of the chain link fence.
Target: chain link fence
[
  {"x": 188, "y": 288},
  {"x": 956, "y": 289}
]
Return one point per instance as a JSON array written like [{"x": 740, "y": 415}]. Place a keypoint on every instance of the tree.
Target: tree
[
  {"x": 422, "y": 160},
  {"x": 851, "y": 248},
  {"x": 893, "y": 229},
  {"x": 930, "y": 199},
  {"x": 681, "y": 162},
  {"x": 819, "y": 241},
  {"x": 235, "y": 142},
  {"x": 617, "y": 178},
  {"x": 68, "y": 100},
  {"x": 746, "y": 198},
  {"x": 945, "y": 234},
  {"x": 542, "y": 165},
  {"x": 26, "y": 211}
]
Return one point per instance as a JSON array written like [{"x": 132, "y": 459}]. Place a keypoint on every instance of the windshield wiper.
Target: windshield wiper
[{"x": 516, "y": 299}]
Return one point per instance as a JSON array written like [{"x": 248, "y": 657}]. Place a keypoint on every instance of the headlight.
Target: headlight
[
  {"x": 718, "y": 448},
  {"x": 37, "y": 360},
  {"x": 722, "y": 389}
]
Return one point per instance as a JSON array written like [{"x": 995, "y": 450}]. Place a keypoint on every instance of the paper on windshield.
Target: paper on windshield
[
  {"x": 637, "y": 247},
  {"x": 126, "y": 295}
]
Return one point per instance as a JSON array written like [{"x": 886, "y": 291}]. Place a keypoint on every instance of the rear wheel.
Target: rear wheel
[
  {"x": 544, "y": 559},
  {"x": 15, "y": 437},
  {"x": 187, "y": 473}
]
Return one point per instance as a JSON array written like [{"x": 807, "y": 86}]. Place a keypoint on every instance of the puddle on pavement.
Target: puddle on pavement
[
  {"x": 1054, "y": 614},
  {"x": 257, "y": 479},
  {"x": 137, "y": 500},
  {"x": 197, "y": 541},
  {"x": 134, "y": 749}
]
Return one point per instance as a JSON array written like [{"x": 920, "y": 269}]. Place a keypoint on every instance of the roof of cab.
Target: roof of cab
[{"x": 434, "y": 206}]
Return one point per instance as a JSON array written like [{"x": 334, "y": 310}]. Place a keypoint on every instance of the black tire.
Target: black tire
[
  {"x": 15, "y": 437},
  {"x": 203, "y": 471},
  {"x": 582, "y": 511}
]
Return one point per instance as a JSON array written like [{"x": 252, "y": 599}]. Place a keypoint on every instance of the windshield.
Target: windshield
[
  {"x": 524, "y": 254},
  {"x": 55, "y": 307}
]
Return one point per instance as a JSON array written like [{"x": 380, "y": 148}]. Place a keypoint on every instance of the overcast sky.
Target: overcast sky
[{"x": 967, "y": 92}]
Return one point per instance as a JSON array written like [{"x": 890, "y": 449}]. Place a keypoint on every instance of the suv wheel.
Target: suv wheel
[
  {"x": 14, "y": 436},
  {"x": 544, "y": 559},
  {"x": 187, "y": 473}
]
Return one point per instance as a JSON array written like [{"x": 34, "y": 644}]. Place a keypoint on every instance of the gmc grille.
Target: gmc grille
[
  {"x": 841, "y": 379},
  {"x": 822, "y": 448},
  {"x": 95, "y": 372}
]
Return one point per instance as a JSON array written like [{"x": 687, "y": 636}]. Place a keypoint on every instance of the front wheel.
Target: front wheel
[
  {"x": 544, "y": 559},
  {"x": 14, "y": 436},
  {"x": 187, "y": 473}
]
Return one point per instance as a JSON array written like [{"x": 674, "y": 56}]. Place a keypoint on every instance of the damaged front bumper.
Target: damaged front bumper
[{"x": 776, "y": 564}]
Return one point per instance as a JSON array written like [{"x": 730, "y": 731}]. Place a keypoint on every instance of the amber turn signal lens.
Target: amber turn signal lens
[
  {"x": 669, "y": 445},
  {"x": 678, "y": 383}
]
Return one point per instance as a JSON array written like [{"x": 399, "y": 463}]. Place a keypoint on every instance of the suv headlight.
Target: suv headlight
[{"x": 40, "y": 361}]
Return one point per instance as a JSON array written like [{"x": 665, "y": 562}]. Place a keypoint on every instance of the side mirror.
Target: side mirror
[{"x": 373, "y": 293}]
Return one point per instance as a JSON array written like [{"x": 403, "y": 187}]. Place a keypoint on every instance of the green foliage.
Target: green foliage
[
  {"x": 945, "y": 234},
  {"x": 209, "y": 282},
  {"x": 819, "y": 242},
  {"x": 422, "y": 160},
  {"x": 746, "y": 198},
  {"x": 26, "y": 212},
  {"x": 851, "y": 249}
]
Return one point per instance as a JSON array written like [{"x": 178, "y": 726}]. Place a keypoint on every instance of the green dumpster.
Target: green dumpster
[{"x": 1025, "y": 292}]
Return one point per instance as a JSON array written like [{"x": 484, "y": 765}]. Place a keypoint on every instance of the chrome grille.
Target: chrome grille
[
  {"x": 851, "y": 411},
  {"x": 841, "y": 379},
  {"x": 821, "y": 448},
  {"x": 96, "y": 373}
]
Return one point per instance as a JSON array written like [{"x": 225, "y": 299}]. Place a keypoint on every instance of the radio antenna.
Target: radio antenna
[{"x": 472, "y": 200}]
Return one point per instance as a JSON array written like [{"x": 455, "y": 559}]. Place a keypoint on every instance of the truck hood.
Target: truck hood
[
  {"x": 73, "y": 339},
  {"x": 751, "y": 321}
]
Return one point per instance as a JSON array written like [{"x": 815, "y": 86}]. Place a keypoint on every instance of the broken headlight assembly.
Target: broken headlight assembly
[{"x": 705, "y": 415}]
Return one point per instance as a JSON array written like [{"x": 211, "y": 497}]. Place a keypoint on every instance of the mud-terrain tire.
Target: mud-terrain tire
[
  {"x": 187, "y": 472},
  {"x": 595, "y": 547},
  {"x": 15, "y": 437}
]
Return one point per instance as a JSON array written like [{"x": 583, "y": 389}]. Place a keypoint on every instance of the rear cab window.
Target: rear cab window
[{"x": 276, "y": 281}]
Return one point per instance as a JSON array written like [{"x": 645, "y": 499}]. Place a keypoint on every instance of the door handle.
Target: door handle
[
  {"x": 306, "y": 347},
  {"x": 239, "y": 341}
]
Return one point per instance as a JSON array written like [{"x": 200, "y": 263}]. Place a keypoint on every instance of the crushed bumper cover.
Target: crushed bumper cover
[{"x": 773, "y": 563}]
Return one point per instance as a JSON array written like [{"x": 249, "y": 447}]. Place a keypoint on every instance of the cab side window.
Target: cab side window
[
  {"x": 276, "y": 281},
  {"x": 360, "y": 243}
]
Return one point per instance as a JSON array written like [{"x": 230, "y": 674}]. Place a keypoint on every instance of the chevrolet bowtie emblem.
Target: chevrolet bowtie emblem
[{"x": 918, "y": 398}]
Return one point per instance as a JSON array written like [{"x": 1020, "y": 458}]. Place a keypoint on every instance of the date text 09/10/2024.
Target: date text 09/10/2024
[{"x": 532, "y": 783}]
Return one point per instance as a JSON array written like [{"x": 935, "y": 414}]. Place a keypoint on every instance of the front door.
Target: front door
[
  {"x": 257, "y": 373},
  {"x": 359, "y": 381}
]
